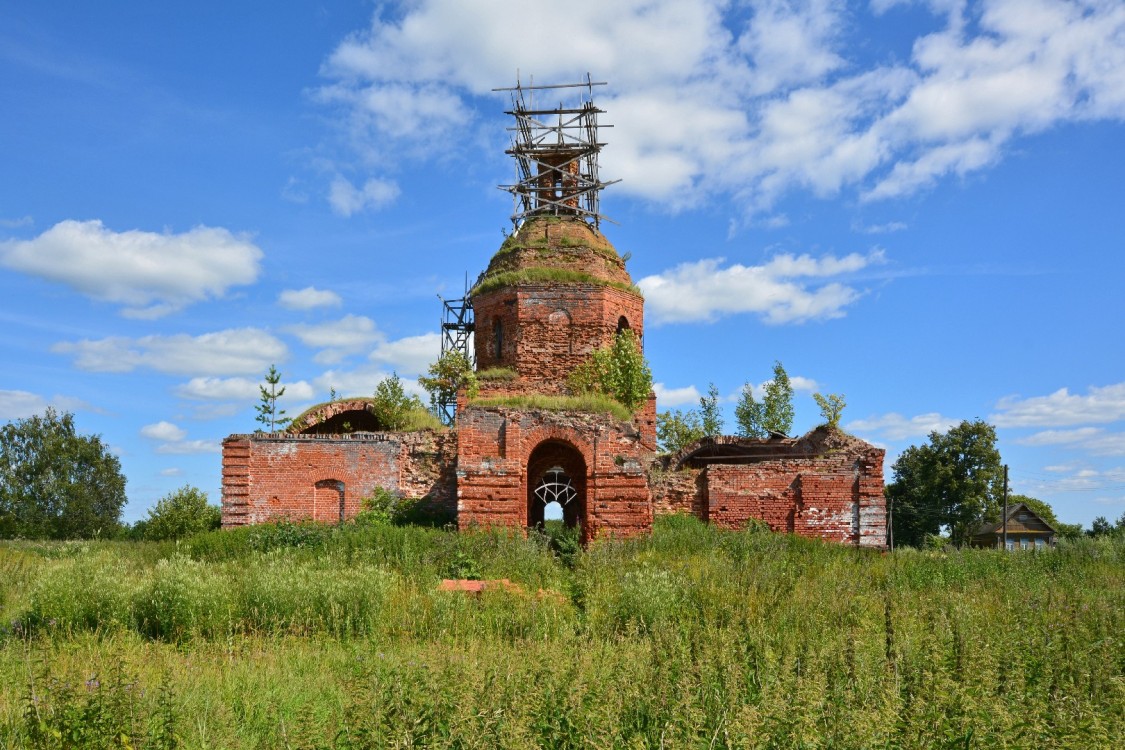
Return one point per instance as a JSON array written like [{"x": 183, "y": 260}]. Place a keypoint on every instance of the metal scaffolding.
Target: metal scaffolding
[
  {"x": 456, "y": 332},
  {"x": 556, "y": 152}
]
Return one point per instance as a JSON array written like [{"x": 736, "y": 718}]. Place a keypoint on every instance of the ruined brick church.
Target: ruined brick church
[{"x": 554, "y": 292}]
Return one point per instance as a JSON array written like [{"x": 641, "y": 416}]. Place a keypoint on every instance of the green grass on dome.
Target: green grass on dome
[
  {"x": 589, "y": 403},
  {"x": 545, "y": 275}
]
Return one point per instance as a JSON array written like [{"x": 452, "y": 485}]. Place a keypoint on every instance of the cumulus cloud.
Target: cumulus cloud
[
  {"x": 749, "y": 100},
  {"x": 24, "y": 404},
  {"x": 172, "y": 440},
  {"x": 361, "y": 381},
  {"x": 347, "y": 199},
  {"x": 237, "y": 389},
  {"x": 234, "y": 351},
  {"x": 152, "y": 274},
  {"x": 667, "y": 397},
  {"x": 338, "y": 338},
  {"x": 786, "y": 289},
  {"x": 411, "y": 355},
  {"x": 308, "y": 298},
  {"x": 1062, "y": 408},
  {"x": 164, "y": 431},
  {"x": 1094, "y": 440},
  {"x": 894, "y": 426}
]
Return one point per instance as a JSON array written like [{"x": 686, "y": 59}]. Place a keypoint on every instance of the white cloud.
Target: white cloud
[
  {"x": 230, "y": 352},
  {"x": 152, "y": 274},
  {"x": 1094, "y": 440},
  {"x": 1062, "y": 408},
  {"x": 411, "y": 355},
  {"x": 338, "y": 338},
  {"x": 308, "y": 298},
  {"x": 24, "y": 404},
  {"x": 190, "y": 447},
  {"x": 171, "y": 472},
  {"x": 667, "y": 397},
  {"x": 362, "y": 381},
  {"x": 783, "y": 290},
  {"x": 163, "y": 431},
  {"x": 894, "y": 426},
  {"x": 891, "y": 226},
  {"x": 237, "y": 389},
  {"x": 749, "y": 100},
  {"x": 172, "y": 440},
  {"x": 801, "y": 383},
  {"x": 347, "y": 199}
]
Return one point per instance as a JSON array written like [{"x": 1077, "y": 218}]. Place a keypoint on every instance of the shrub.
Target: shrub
[
  {"x": 180, "y": 514},
  {"x": 618, "y": 371}
]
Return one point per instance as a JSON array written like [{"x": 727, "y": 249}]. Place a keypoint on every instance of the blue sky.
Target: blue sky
[{"x": 915, "y": 204}]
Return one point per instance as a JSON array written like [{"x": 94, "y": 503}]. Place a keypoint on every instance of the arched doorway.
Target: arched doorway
[{"x": 556, "y": 478}]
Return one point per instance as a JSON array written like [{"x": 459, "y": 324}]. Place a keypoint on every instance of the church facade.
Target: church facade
[{"x": 554, "y": 292}]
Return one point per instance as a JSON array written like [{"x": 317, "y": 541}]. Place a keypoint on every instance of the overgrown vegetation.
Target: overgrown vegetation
[
  {"x": 178, "y": 515},
  {"x": 536, "y": 275},
  {"x": 450, "y": 373},
  {"x": 618, "y": 371},
  {"x": 592, "y": 403},
  {"x": 337, "y": 637},
  {"x": 498, "y": 374},
  {"x": 396, "y": 411}
]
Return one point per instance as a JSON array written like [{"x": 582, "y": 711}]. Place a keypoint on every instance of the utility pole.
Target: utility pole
[{"x": 1004, "y": 509}]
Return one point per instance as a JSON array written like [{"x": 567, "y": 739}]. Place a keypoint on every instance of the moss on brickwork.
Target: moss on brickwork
[
  {"x": 559, "y": 249},
  {"x": 591, "y": 404}
]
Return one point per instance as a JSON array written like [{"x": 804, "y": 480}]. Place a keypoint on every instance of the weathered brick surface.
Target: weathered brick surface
[
  {"x": 827, "y": 485},
  {"x": 502, "y": 452},
  {"x": 273, "y": 477},
  {"x": 545, "y": 330}
]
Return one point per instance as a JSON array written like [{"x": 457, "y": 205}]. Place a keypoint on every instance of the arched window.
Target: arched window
[
  {"x": 622, "y": 324},
  {"x": 328, "y": 501}
]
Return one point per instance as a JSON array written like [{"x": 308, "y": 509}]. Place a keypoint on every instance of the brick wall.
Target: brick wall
[
  {"x": 544, "y": 331},
  {"x": 273, "y": 477},
  {"x": 826, "y": 484},
  {"x": 495, "y": 445}
]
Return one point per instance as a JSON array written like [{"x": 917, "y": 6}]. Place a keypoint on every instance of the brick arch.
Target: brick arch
[
  {"x": 329, "y": 500},
  {"x": 547, "y": 455}
]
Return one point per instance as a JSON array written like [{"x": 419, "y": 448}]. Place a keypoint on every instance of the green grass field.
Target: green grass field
[{"x": 315, "y": 637}]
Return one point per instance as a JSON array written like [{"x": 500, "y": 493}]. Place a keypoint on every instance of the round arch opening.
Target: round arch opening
[{"x": 556, "y": 481}]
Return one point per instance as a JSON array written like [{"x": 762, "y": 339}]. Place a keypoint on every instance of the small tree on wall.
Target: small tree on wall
[
  {"x": 449, "y": 374},
  {"x": 709, "y": 411},
  {"x": 831, "y": 407},
  {"x": 774, "y": 413},
  {"x": 619, "y": 371},
  {"x": 391, "y": 406},
  {"x": 268, "y": 413}
]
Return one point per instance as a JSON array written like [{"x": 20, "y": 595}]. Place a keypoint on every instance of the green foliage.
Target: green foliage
[
  {"x": 55, "y": 483},
  {"x": 953, "y": 481},
  {"x": 831, "y": 407},
  {"x": 618, "y": 371},
  {"x": 710, "y": 415},
  {"x": 593, "y": 403},
  {"x": 501, "y": 374},
  {"x": 450, "y": 373},
  {"x": 675, "y": 429},
  {"x": 535, "y": 275},
  {"x": 392, "y": 408},
  {"x": 180, "y": 514},
  {"x": 269, "y": 415},
  {"x": 693, "y": 636},
  {"x": 774, "y": 413}
]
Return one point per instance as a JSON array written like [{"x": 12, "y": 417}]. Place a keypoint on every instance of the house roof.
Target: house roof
[{"x": 993, "y": 527}]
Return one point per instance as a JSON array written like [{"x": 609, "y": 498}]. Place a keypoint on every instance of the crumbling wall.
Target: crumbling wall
[
  {"x": 274, "y": 477},
  {"x": 826, "y": 484},
  {"x": 496, "y": 443}
]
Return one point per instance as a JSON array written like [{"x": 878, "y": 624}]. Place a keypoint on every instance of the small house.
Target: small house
[{"x": 1026, "y": 530}]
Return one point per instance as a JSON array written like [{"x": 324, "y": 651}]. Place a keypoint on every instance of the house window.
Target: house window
[
  {"x": 1023, "y": 517},
  {"x": 1040, "y": 543}
]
